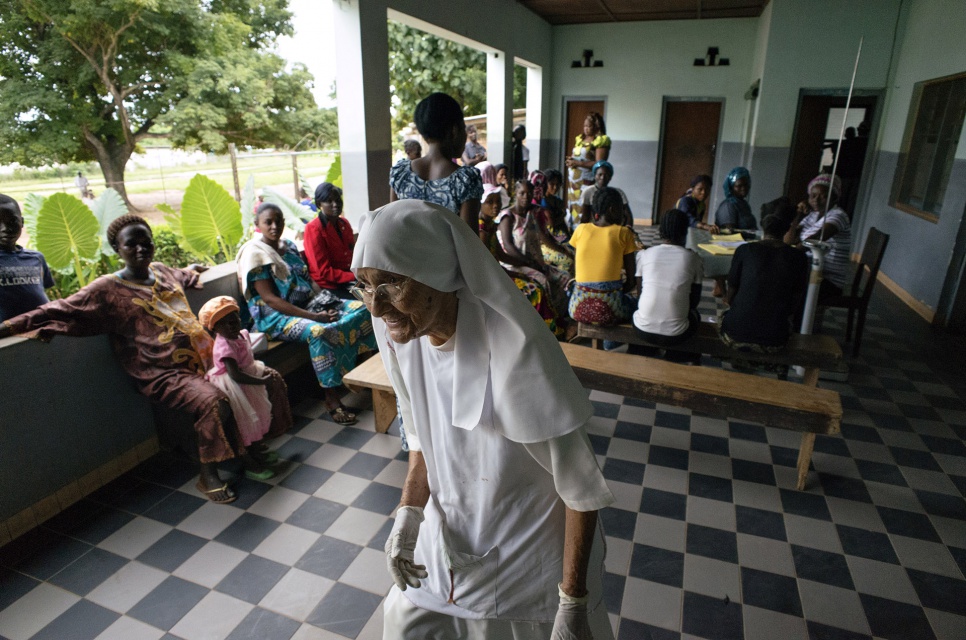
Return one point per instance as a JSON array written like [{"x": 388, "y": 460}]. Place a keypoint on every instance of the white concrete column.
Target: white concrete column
[
  {"x": 499, "y": 107},
  {"x": 362, "y": 87},
  {"x": 535, "y": 135}
]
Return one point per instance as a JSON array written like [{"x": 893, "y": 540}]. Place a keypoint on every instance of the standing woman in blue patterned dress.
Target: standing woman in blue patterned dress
[{"x": 435, "y": 177}]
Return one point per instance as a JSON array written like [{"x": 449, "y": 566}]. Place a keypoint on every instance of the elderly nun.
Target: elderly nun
[{"x": 497, "y": 535}]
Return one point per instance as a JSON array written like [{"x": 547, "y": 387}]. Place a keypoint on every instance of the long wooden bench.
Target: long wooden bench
[
  {"x": 371, "y": 374},
  {"x": 773, "y": 403},
  {"x": 808, "y": 351}
]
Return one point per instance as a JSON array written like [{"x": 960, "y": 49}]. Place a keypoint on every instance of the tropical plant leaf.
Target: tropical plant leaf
[
  {"x": 304, "y": 184},
  {"x": 334, "y": 174},
  {"x": 108, "y": 207},
  {"x": 248, "y": 204},
  {"x": 66, "y": 229},
  {"x": 210, "y": 218},
  {"x": 31, "y": 209},
  {"x": 291, "y": 209}
]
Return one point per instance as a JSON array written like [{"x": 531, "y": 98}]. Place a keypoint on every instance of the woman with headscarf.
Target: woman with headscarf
[
  {"x": 435, "y": 177},
  {"x": 495, "y": 200},
  {"x": 520, "y": 237},
  {"x": 813, "y": 222},
  {"x": 735, "y": 212},
  {"x": 603, "y": 173},
  {"x": 497, "y": 534},
  {"x": 285, "y": 304},
  {"x": 590, "y": 147},
  {"x": 553, "y": 235},
  {"x": 328, "y": 243},
  {"x": 694, "y": 202}
]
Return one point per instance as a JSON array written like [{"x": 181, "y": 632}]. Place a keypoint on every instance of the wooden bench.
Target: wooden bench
[
  {"x": 813, "y": 352},
  {"x": 285, "y": 357},
  {"x": 719, "y": 393},
  {"x": 371, "y": 374}
]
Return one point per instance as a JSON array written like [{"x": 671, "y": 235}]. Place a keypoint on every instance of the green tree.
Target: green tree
[
  {"x": 420, "y": 63},
  {"x": 85, "y": 80}
]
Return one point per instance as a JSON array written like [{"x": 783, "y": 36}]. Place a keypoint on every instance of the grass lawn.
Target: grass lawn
[{"x": 270, "y": 170}]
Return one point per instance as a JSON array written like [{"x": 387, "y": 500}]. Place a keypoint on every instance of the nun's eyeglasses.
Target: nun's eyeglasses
[{"x": 389, "y": 291}]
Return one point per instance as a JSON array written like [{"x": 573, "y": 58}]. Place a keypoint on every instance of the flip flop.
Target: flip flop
[
  {"x": 264, "y": 474},
  {"x": 209, "y": 493}
]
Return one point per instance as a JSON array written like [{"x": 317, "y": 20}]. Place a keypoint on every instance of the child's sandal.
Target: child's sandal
[
  {"x": 343, "y": 416},
  {"x": 264, "y": 474}
]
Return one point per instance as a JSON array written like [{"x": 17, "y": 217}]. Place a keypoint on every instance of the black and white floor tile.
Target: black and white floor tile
[{"x": 708, "y": 538}]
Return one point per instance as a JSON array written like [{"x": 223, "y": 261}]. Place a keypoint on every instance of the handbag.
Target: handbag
[{"x": 325, "y": 300}]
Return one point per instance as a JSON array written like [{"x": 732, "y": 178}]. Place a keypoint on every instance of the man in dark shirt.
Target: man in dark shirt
[{"x": 766, "y": 288}]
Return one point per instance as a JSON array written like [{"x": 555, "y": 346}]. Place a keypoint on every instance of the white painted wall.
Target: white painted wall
[
  {"x": 927, "y": 22},
  {"x": 645, "y": 61},
  {"x": 812, "y": 45}
]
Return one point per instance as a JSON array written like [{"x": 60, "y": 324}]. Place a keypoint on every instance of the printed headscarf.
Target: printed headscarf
[
  {"x": 539, "y": 182},
  {"x": 500, "y": 340},
  {"x": 216, "y": 309},
  {"x": 487, "y": 172},
  {"x": 490, "y": 189},
  {"x": 825, "y": 179},
  {"x": 734, "y": 176},
  {"x": 606, "y": 165}
]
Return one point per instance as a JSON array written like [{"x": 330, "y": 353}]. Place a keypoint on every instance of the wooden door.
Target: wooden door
[
  {"x": 577, "y": 111},
  {"x": 689, "y": 140},
  {"x": 810, "y": 139}
]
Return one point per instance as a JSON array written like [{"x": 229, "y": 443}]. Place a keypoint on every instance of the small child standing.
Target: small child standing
[
  {"x": 23, "y": 273},
  {"x": 242, "y": 379}
]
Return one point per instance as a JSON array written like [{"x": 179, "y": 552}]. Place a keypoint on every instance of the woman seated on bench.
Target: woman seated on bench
[
  {"x": 286, "y": 305},
  {"x": 160, "y": 343},
  {"x": 669, "y": 279},
  {"x": 766, "y": 289},
  {"x": 603, "y": 248}
]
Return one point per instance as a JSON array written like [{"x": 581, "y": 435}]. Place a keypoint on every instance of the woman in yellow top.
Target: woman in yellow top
[
  {"x": 589, "y": 148},
  {"x": 603, "y": 247}
]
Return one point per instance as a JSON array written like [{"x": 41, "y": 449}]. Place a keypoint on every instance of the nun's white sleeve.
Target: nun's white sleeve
[
  {"x": 576, "y": 476},
  {"x": 402, "y": 395}
]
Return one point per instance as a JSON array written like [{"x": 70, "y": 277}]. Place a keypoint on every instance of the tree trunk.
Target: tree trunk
[{"x": 112, "y": 157}]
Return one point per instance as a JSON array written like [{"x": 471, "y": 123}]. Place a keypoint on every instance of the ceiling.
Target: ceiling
[{"x": 584, "y": 11}]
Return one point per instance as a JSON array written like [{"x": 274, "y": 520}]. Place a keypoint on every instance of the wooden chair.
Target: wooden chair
[{"x": 856, "y": 300}]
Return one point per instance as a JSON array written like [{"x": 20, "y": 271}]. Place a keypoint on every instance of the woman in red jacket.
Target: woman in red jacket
[{"x": 329, "y": 242}]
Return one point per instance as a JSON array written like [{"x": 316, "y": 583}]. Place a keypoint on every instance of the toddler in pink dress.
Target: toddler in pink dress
[{"x": 236, "y": 372}]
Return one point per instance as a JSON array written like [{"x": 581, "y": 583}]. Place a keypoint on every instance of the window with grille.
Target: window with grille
[{"x": 929, "y": 145}]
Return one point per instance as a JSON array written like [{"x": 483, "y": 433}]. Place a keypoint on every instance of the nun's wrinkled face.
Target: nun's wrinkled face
[{"x": 409, "y": 308}]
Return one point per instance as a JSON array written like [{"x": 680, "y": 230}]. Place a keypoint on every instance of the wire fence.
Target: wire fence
[{"x": 161, "y": 175}]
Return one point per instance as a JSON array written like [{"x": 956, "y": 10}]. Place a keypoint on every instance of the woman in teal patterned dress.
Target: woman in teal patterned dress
[{"x": 280, "y": 297}]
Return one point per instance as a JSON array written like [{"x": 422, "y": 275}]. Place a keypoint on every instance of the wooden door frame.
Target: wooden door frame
[
  {"x": 868, "y": 169},
  {"x": 565, "y": 147},
  {"x": 655, "y": 214}
]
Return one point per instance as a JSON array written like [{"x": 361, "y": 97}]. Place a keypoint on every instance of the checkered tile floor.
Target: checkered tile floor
[{"x": 708, "y": 539}]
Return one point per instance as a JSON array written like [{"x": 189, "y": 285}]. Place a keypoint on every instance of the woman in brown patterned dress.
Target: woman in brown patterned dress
[{"x": 158, "y": 341}]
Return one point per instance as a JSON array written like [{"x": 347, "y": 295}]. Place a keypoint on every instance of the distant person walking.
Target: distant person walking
[{"x": 83, "y": 185}]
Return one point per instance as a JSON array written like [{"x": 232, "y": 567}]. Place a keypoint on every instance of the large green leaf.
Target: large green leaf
[
  {"x": 248, "y": 204},
  {"x": 108, "y": 207},
  {"x": 335, "y": 171},
  {"x": 210, "y": 218},
  {"x": 30, "y": 210},
  {"x": 291, "y": 209},
  {"x": 66, "y": 228}
]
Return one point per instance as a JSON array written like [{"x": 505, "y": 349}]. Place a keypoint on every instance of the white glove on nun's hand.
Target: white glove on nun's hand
[
  {"x": 571, "y": 621},
  {"x": 400, "y": 548}
]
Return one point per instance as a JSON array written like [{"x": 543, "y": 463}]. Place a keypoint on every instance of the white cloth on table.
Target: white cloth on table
[{"x": 667, "y": 272}]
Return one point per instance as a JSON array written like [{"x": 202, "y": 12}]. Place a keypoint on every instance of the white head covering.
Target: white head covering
[{"x": 500, "y": 338}]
